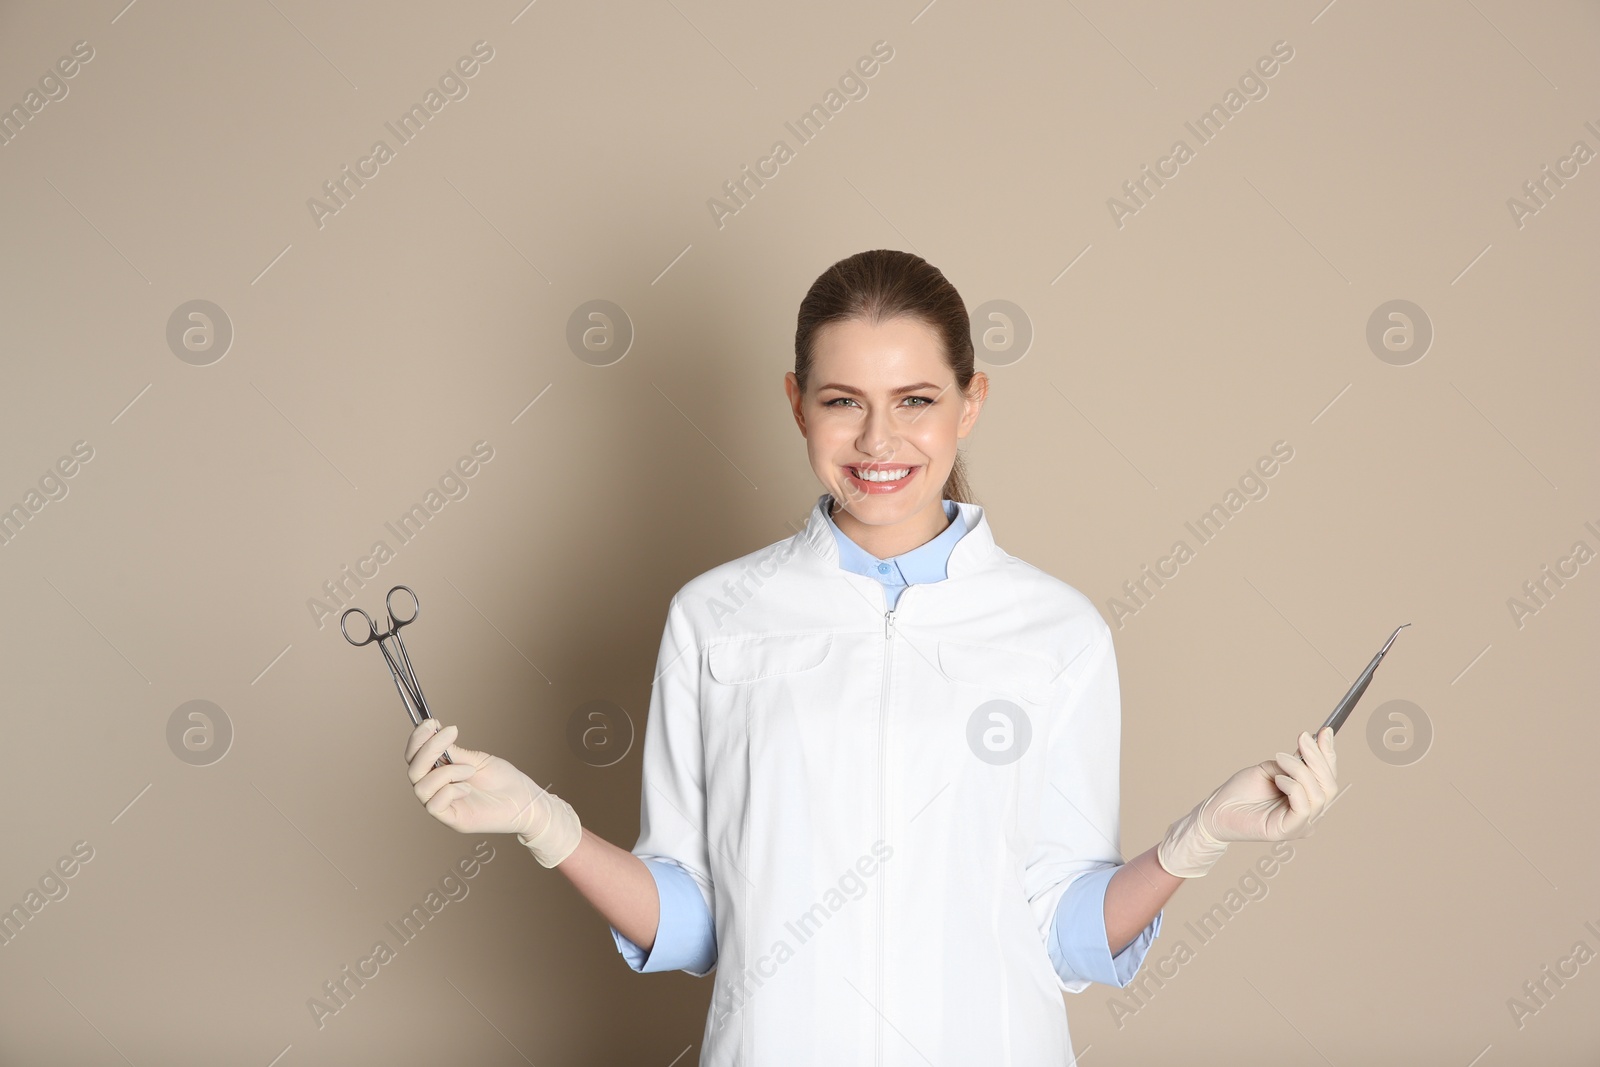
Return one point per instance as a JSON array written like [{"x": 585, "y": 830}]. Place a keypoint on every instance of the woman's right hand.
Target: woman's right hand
[{"x": 477, "y": 793}]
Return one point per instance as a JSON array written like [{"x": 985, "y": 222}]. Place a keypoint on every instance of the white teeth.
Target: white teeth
[{"x": 881, "y": 475}]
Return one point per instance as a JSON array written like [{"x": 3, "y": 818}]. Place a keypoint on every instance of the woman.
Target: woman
[{"x": 880, "y": 766}]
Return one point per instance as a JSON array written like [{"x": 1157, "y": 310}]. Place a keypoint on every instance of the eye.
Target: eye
[{"x": 926, "y": 400}]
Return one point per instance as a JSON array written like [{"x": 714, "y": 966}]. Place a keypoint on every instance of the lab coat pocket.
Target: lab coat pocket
[
  {"x": 751, "y": 659},
  {"x": 775, "y": 691},
  {"x": 1000, "y": 672},
  {"x": 774, "y": 740}
]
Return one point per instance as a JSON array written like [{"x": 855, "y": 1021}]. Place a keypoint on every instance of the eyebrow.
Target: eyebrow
[{"x": 895, "y": 392}]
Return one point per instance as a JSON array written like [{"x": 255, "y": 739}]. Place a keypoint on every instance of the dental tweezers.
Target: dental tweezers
[{"x": 1342, "y": 710}]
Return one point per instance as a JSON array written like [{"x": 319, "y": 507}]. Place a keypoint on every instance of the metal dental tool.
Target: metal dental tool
[
  {"x": 400, "y": 669},
  {"x": 1342, "y": 710}
]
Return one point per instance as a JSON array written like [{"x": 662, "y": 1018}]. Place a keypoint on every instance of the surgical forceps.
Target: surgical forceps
[
  {"x": 1347, "y": 703},
  {"x": 400, "y": 669}
]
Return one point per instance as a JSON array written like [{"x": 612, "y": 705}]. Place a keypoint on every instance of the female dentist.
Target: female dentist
[{"x": 881, "y": 763}]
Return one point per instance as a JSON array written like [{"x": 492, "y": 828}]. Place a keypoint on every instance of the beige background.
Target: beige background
[{"x": 1227, "y": 314}]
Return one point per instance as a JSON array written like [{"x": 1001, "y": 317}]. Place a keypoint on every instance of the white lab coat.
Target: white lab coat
[{"x": 881, "y": 893}]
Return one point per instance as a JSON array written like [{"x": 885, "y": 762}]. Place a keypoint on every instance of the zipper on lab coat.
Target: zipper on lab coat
[{"x": 883, "y": 818}]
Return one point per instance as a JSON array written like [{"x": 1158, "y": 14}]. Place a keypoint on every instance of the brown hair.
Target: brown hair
[{"x": 878, "y": 285}]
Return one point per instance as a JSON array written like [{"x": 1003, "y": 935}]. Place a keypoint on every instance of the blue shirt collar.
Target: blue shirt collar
[{"x": 925, "y": 563}]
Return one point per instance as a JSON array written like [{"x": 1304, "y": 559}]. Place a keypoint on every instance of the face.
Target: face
[{"x": 881, "y": 400}]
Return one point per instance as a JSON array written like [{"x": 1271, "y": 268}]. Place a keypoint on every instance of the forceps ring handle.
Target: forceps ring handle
[
  {"x": 372, "y": 629},
  {"x": 410, "y": 692}
]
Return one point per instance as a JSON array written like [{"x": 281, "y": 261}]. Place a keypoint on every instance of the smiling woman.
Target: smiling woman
[
  {"x": 894, "y": 681},
  {"x": 883, "y": 388}
]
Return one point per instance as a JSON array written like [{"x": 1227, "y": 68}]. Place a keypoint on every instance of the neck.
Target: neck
[{"x": 885, "y": 542}]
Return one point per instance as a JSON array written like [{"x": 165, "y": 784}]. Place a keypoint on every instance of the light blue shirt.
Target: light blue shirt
[{"x": 686, "y": 940}]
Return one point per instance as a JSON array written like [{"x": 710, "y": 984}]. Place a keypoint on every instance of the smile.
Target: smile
[{"x": 880, "y": 477}]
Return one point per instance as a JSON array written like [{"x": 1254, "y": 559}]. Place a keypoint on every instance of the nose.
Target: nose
[{"x": 878, "y": 438}]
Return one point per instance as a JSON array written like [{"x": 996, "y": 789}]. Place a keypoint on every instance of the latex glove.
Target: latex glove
[
  {"x": 1271, "y": 801},
  {"x": 480, "y": 793}
]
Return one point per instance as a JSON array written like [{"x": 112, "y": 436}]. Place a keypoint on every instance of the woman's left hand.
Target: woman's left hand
[
  {"x": 1271, "y": 801},
  {"x": 1277, "y": 799}
]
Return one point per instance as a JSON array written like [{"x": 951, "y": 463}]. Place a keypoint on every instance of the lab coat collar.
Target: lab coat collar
[
  {"x": 972, "y": 553},
  {"x": 920, "y": 565}
]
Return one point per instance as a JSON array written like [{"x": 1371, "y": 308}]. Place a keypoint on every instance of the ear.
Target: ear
[
  {"x": 791, "y": 386},
  {"x": 977, "y": 392}
]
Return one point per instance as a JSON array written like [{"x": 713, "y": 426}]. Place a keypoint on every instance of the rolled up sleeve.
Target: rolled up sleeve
[
  {"x": 1077, "y": 943},
  {"x": 672, "y": 812},
  {"x": 1076, "y": 850},
  {"x": 685, "y": 938}
]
